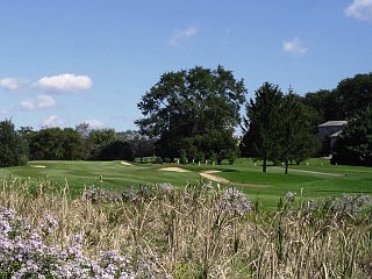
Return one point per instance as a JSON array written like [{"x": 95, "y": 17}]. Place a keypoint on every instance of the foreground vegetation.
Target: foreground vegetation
[{"x": 197, "y": 231}]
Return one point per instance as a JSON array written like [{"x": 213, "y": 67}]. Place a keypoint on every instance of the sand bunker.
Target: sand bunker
[
  {"x": 126, "y": 163},
  {"x": 215, "y": 178},
  {"x": 211, "y": 171},
  {"x": 209, "y": 175},
  {"x": 174, "y": 169},
  {"x": 38, "y": 166}
]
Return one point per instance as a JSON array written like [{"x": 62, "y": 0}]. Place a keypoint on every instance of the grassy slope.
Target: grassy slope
[{"x": 269, "y": 187}]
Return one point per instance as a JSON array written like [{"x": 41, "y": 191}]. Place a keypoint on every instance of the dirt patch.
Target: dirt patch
[
  {"x": 126, "y": 163},
  {"x": 174, "y": 169},
  {"x": 38, "y": 166}
]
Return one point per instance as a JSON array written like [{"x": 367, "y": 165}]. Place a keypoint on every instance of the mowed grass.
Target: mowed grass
[{"x": 314, "y": 178}]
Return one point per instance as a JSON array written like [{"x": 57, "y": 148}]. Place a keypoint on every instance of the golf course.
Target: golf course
[{"x": 313, "y": 179}]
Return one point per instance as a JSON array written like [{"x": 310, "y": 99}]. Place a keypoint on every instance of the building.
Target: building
[
  {"x": 330, "y": 127},
  {"x": 329, "y": 132}
]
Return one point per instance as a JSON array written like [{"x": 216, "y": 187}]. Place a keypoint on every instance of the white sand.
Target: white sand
[
  {"x": 174, "y": 169},
  {"x": 214, "y": 178},
  {"x": 126, "y": 163},
  {"x": 211, "y": 171}
]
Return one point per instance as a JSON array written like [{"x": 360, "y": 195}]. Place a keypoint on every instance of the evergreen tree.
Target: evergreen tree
[
  {"x": 263, "y": 124},
  {"x": 297, "y": 140}
]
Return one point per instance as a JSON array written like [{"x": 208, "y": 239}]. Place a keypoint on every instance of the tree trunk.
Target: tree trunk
[
  {"x": 286, "y": 166},
  {"x": 264, "y": 163}
]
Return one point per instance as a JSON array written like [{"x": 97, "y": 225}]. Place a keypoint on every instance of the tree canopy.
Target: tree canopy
[
  {"x": 278, "y": 127},
  {"x": 55, "y": 144},
  {"x": 297, "y": 141},
  {"x": 193, "y": 111},
  {"x": 355, "y": 94},
  {"x": 13, "y": 149},
  {"x": 263, "y": 123},
  {"x": 354, "y": 144}
]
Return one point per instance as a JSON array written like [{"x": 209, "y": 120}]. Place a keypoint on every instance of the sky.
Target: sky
[{"x": 67, "y": 62}]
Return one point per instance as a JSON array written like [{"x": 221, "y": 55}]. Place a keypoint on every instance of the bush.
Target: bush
[
  {"x": 158, "y": 160},
  {"x": 183, "y": 157}
]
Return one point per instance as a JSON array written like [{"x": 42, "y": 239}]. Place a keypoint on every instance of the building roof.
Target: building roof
[
  {"x": 335, "y": 135},
  {"x": 333, "y": 123}
]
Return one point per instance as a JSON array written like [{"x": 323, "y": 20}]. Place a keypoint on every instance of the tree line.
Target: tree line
[
  {"x": 192, "y": 115},
  {"x": 79, "y": 143}
]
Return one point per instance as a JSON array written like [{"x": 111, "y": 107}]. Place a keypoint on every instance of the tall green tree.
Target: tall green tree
[
  {"x": 13, "y": 149},
  {"x": 98, "y": 140},
  {"x": 184, "y": 109},
  {"x": 354, "y": 145},
  {"x": 355, "y": 94},
  {"x": 263, "y": 124},
  {"x": 325, "y": 105},
  {"x": 298, "y": 141}
]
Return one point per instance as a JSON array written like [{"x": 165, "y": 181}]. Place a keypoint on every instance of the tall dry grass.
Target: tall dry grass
[{"x": 202, "y": 231}]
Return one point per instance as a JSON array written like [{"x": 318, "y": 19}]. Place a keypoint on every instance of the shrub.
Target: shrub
[{"x": 158, "y": 160}]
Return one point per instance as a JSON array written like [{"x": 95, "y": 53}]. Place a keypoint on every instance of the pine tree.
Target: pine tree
[{"x": 263, "y": 124}]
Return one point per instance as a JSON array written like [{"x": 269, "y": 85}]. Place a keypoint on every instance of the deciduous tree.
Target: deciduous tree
[
  {"x": 187, "y": 108},
  {"x": 354, "y": 145},
  {"x": 13, "y": 149}
]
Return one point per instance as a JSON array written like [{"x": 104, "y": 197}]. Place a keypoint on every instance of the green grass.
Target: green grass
[{"x": 245, "y": 174}]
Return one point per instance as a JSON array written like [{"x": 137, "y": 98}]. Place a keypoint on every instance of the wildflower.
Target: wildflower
[
  {"x": 290, "y": 196},
  {"x": 233, "y": 201},
  {"x": 49, "y": 225}
]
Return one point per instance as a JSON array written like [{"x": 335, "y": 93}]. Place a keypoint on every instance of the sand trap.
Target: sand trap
[
  {"x": 174, "y": 169},
  {"x": 209, "y": 175},
  {"x": 126, "y": 163},
  {"x": 38, "y": 166},
  {"x": 211, "y": 171},
  {"x": 214, "y": 178}
]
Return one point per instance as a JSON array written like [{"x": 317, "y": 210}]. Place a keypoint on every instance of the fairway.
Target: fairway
[{"x": 315, "y": 178}]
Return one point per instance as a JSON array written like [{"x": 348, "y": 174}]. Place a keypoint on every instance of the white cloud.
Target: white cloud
[
  {"x": 360, "y": 9},
  {"x": 94, "y": 124},
  {"x": 12, "y": 84},
  {"x": 294, "y": 47},
  {"x": 64, "y": 82},
  {"x": 39, "y": 102},
  {"x": 183, "y": 35},
  {"x": 52, "y": 121}
]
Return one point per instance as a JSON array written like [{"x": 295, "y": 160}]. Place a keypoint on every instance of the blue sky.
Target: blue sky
[{"x": 65, "y": 62}]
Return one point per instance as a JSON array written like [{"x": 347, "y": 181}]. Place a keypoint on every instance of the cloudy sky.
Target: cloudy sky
[{"x": 65, "y": 62}]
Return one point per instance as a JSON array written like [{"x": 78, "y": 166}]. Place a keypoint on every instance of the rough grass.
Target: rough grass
[{"x": 200, "y": 231}]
